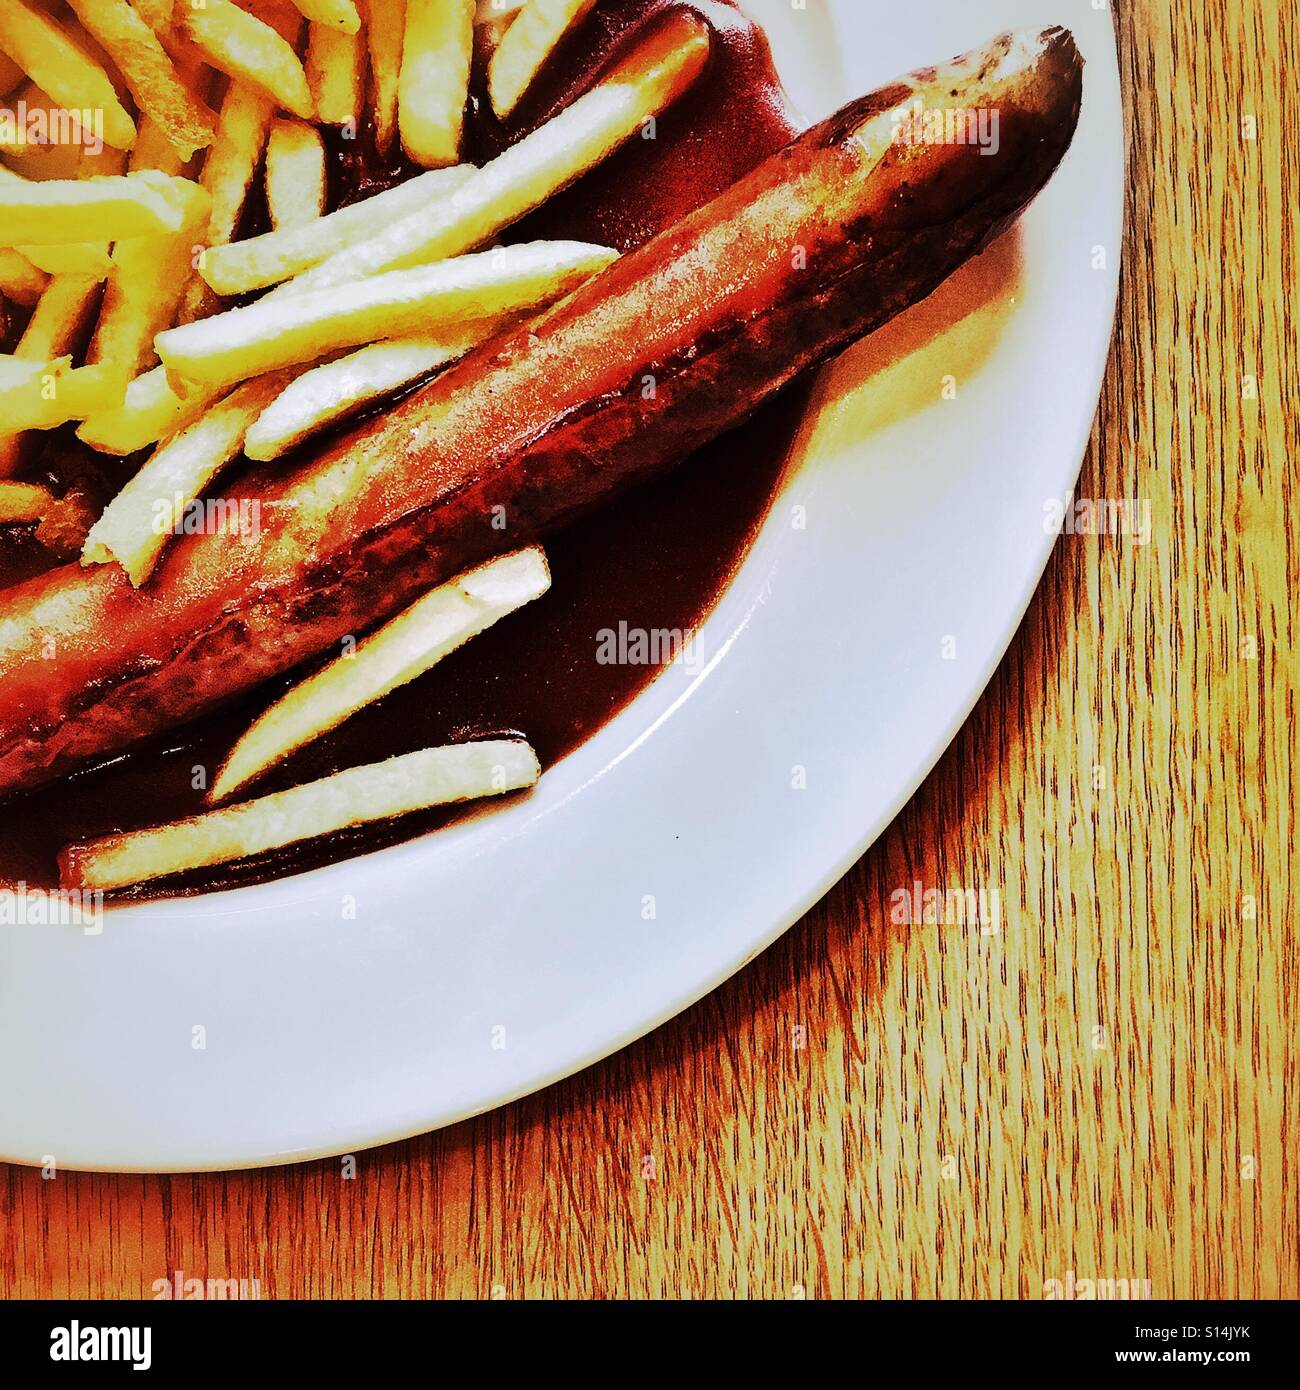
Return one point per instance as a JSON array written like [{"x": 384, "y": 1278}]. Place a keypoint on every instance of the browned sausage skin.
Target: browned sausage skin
[{"x": 671, "y": 346}]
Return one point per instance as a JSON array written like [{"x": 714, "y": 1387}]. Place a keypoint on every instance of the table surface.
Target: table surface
[{"x": 957, "y": 1115}]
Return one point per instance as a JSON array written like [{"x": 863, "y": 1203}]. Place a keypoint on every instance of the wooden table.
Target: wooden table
[{"x": 1101, "y": 1090}]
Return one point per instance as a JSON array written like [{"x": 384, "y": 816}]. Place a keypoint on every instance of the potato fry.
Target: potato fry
[
  {"x": 264, "y": 260},
  {"x": 151, "y": 410},
  {"x": 23, "y": 502},
  {"x": 139, "y": 521},
  {"x": 335, "y": 65},
  {"x": 55, "y": 327},
  {"x": 228, "y": 173},
  {"x": 231, "y": 163},
  {"x": 148, "y": 71},
  {"x": 157, "y": 14},
  {"x": 147, "y": 280},
  {"x": 401, "y": 650},
  {"x": 153, "y": 150},
  {"x": 20, "y": 280},
  {"x": 60, "y": 67},
  {"x": 280, "y": 332},
  {"x": 649, "y": 79},
  {"x": 437, "y": 45},
  {"x": 18, "y": 374},
  {"x": 295, "y": 173},
  {"x": 333, "y": 14},
  {"x": 116, "y": 206},
  {"x": 243, "y": 47},
  {"x": 44, "y": 395},
  {"x": 325, "y": 394},
  {"x": 88, "y": 258},
  {"x": 360, "y": 795},
  {"x": 385, "y": 23},
  {"x": 59, "y": 319},
  {"x": 282, "y": 15},
  {"x": 526, "y": 45}
]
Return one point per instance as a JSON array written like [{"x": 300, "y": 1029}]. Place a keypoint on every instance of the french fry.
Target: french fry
[
  {"x": 153, "y": 150},
  {"x": 385, "y": 22},
  {"x": 358, "y": 796},
  {"x": 335, "y": 64},
  {"x": 437, "y": 45},
  {"x": 87, "y": 258},
  {"x": 20, "y": 374},
  {"x": 265, "y": 260},
  {"x": 403, "y": 649},
  {"x": 295, "y": 173},
  {"x": 57, "y": 323},
  {"x": 117, "y": 207},
  {"x": 282, "y": 15},
  {"x": 334, "y": 14},
  {"x": 138, "y": 522},
  {"x": 228, "y": 172},
  {"x": 59, "y": 319},
  {"x": 157, "y": 14},
  {"x": 148, "y": 71},
  {"x": 44, "y": 395},
  {"x": 23, "y": 502},
  {"x": 324, "y": 394},
  {"x": 61, "y": 68},
  {"x": 20, "y": 280},
  {"x": 649, "y": 79},
  {"x": 243, "y": 47},
  {"x": 148, "y": 277},
  {"x": 526, "y": 45},
  {"x": 280, "y": 332},
  {"x": 231, "y": 163},
  {"x": 150, "y": 410}
]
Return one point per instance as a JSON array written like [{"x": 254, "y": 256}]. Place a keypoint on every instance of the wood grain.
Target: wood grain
[{"x": 1106, "y": 1086}]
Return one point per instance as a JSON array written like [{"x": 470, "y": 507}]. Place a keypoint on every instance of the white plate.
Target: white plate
[{"x": 493, "y": 958}]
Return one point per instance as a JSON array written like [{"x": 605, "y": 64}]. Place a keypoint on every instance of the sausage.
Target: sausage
[{"x": 851, "y": 223}]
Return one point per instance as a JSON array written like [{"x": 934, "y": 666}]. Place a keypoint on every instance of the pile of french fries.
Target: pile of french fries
[{"x": 120, "y": 255}]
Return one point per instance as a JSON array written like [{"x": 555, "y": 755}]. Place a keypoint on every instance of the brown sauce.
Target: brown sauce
[{"x": 656, "y": 560}]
